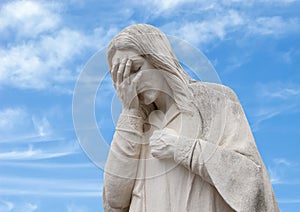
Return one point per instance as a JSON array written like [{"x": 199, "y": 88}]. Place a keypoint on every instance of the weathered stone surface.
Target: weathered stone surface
[{"x": 180, "y": 145}]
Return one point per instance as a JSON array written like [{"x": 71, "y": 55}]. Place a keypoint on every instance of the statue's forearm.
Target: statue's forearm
[{"x": 122, "y": 162}]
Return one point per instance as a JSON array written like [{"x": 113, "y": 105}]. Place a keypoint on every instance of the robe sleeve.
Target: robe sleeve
[
  {"x": 232, "y": 165},
  {"x": 120, "y": 171}
]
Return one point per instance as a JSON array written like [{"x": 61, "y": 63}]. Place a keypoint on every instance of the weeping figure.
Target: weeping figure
[{"x": 179, "y": 144}]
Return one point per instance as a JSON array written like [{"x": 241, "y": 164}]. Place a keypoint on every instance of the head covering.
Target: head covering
[{"x": 154, "y": 46}]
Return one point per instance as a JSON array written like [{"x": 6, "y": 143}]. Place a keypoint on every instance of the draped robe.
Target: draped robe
[{"x": 216, "y": 165}]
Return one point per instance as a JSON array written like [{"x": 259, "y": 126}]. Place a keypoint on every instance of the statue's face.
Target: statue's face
[{"x": 150, "y": 82}]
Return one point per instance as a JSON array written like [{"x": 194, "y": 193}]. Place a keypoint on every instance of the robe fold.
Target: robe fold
[{"x": 216, "y": 165}]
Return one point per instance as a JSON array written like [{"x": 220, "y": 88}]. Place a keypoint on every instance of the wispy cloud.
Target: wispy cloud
[
  {"x": 39, "y": 165},
  {"x": 76, "y": 208},
  {"x": 263, "y": 114},
  {"x": 278, "y": 170},
  {"x": 11, "y": 117},
  {"x": 42, "y": 126},
  {"x": 199, "y": 32},
  {"x": 288, "y": 201},
  {"x": 43, "y": 55},
  {"x": 17, "y": 124},
  {"x": 274, "y": 25},
  {"x": 30, "y": 207},
  {"x": 6, "y": 205},
  {"x": 28, "y": 18},
  {"x": 275, "y": 98},
  {"x": 207, "y": 22},
  {"x": 167, "y": 6},
  {"x": 33, "y": 154},
  {"x": 159, "y": 7},
  {"x": 283, "y": 161},
  {"x": 280, "y": 91},
  {"x": 17, "y": 186}
]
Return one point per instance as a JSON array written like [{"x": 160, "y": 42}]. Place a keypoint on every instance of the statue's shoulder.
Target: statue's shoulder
[{"x": 213, "y": 90}]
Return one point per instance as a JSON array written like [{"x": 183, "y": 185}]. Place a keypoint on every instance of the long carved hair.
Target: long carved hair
[{"x": 153, "y": 45}]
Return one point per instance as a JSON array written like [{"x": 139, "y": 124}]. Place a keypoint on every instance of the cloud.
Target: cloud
[
  {"x": 42, "y": 126},
  {"x": 20, "y": 186},
  {"x": 199, "y": 32},
  {"x": 30, "y": 207},
  {"x": 28, "y": 18},
  {"x": 280, "y": 91},
  {"x": 164, "y": 6},
  {"x": 77, "y": 208},
  {"x": 205, "y": 22},
  {"x": 46, "y": 54},
  {"x": 17, "y": 124},
  {"x": 40, "y": 165},
  {"x": 288, "y": 201},
  {"x": 264, "y": 113},
  {"x": 11, "y": 117},
  {"x": 283, "y": 161},
  {"x": 34, "y": 154},
  {"x": 42, "y": 63},
  {"x": 6, "y": 206},
  {"x": 168, "y": 6},
  {"x": 275, "y": 98},
  {"x": 278, "y": 170},
  {"x": 217, "y": 27},
  {"x": 274, "y": 25}
]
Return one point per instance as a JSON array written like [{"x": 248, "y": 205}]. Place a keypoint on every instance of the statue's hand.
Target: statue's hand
[
  {"x": 162, "y": 143},
  {"x": 126, "y": 84}
]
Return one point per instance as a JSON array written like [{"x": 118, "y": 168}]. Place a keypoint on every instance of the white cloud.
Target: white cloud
[
  {"x": 20, "y": 186},
  {"x": 29, "y": 207},
  {"x": 41, "y": 63},
  {"x": 217, "y": 27},
  {"x": 280, "y": 91},
  {"x": 49, "y": 60},
  {"x": 29, "y": 18},
  {"x": 274, "y": 178},
  {"x": 11, "y": 118},
  {"x": 19, "y": 125},
  {"x": 41, "y": 165},
  {"x": 288, "y": 201},
  {"x": 162, "y": 6},
  {"x": 6, "y": 206},
  {"x": 283, "y": 161},
  {"x": 274, "y": 25},
  {"x": 287, "y": 93},
  {"x": 256, "y": 2},
  {"x": 283, "y": 171},
  {"x": 76, "y": 208},
  {"x": 274, "y": 99},
  {"x": 208, "y": 30},
  {"x": 34, "y": 154},
  {"x": 42, "y": 126}
]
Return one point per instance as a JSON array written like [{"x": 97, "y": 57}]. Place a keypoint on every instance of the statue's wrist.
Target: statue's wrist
[
  {"x": 133, "y": 112},
  {"x": 130, "y": 121}
]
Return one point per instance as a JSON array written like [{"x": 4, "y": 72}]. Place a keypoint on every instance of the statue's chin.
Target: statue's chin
[
  {"x": 148, "y": 97},
  {"x": 147, "y": 101}
]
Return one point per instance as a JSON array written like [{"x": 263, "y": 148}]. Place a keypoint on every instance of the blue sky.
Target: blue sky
[{"x": 253, "y": 45}]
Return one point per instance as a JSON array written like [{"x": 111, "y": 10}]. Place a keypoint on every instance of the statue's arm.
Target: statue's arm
[
  {"x": 233, "y": 167},
  {"x": 122, "y": 163}
]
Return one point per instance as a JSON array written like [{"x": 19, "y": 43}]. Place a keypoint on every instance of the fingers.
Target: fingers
[
  {"x": 121, "y": 71},
  {"x": 127, "y": 70},
  {"x": 114, "y": 70}
]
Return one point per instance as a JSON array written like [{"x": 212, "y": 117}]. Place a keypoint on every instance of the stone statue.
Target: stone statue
[{"x": 180, "y": 144}]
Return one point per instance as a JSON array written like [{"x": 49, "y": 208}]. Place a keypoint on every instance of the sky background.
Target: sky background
[{"x": 254, "y": 46}]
